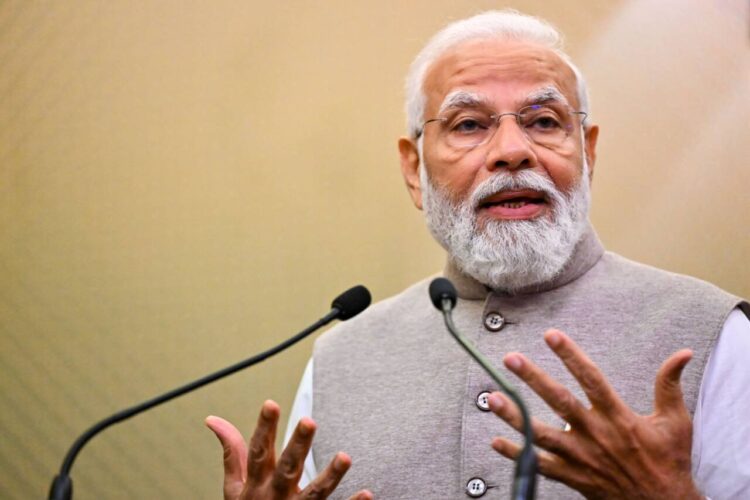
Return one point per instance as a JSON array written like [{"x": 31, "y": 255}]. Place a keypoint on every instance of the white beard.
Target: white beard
[{"x": 509, "y": 255}]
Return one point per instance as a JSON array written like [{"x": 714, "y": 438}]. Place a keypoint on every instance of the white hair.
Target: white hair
[
  {"x": 505, "y": 24},
  {"x": 514, "y": 254}
]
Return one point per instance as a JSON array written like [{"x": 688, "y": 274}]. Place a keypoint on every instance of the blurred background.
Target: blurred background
[{"x": 185, "y": 183}]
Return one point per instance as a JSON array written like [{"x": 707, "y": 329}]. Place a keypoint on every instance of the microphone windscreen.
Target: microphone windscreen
[
  {"x": 440, "y": 289},
  {"x": 352, "y": 302}
]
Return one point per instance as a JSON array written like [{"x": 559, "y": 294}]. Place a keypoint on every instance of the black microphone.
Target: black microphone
[
  {"x": 345, "y": 306},
  {"x": 443, "y": 296}
]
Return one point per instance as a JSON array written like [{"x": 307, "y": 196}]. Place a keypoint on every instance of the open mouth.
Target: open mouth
[{"x": 514, "y": 204}]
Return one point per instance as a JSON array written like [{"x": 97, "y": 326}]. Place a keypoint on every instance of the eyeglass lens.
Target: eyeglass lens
[{"x": 543, "y": 124}]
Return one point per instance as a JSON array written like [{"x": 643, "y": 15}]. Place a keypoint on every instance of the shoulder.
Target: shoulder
[
  {"x": 654, "y": 299},
  {"x": 653, "y": 283},
  {"x": 379, "y": 320}
]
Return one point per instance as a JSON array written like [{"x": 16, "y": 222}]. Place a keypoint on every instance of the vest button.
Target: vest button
[
  {"x": 476, "y": 487},
  {"x": 482, "y": 401},
  {"x": 494, "y": 321}
]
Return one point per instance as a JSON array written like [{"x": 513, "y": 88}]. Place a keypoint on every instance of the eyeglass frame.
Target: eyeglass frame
[{"x": 496, "y": 119}]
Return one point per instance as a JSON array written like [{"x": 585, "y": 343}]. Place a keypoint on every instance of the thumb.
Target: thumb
[
  {"x": 667, "y": 390},
  {"x": 235, "y": 455}
]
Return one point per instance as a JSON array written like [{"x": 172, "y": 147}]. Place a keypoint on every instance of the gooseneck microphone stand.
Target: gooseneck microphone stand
[
  {"x": 444, "y": 297},
  {"x": 348, "y": 304}
]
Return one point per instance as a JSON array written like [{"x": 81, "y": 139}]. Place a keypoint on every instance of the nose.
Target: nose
[{"x": 509, "y": 147}]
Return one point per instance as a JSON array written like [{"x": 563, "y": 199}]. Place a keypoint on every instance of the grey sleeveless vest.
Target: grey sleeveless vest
[{"x": 394, "y": 390}]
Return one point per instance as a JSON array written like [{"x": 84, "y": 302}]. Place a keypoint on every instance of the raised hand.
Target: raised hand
[
  {"x": 609, "y": 451},
  {"x": 257, "y": 475}
]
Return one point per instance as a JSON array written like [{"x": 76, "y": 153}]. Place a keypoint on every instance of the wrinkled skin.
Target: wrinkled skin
[
  {"x": 256, "y": 474},
  {"x": 610, "y": 451}
]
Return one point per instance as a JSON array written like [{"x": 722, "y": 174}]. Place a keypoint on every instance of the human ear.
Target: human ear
[
  {"x": 409, "y": 156},
  {"x": 591, "y": 135}
]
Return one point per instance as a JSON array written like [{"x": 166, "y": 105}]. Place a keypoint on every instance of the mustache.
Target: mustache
[{"x": 504, "y": 181}]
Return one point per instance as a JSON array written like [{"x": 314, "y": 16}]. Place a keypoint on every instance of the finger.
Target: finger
[
  {"x": 547, "y": 437},
  {"x": 591, "y": 379},
  {"x": 667, "y": 390},
  {"x": 556, "y": 395},
  {"x": 262, "y": 457},
  {"x": 326, "y": 482},
  {"x": 362, "y": 495},
  {"x": 235, "y": 454},
  {"x": 548, "y": 464},
  {"x": 289, "y": 468}
]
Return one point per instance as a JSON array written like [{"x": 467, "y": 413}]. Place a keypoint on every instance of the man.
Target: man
[{"x": 500, "y": 156}]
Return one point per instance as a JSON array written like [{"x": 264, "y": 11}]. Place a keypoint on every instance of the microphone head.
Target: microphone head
[
  {"x": 440, "y": 289},
  {"x": 351, "y": 302}
]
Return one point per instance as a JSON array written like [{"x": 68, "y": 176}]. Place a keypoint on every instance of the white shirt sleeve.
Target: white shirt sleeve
[
  {"x": 302, "y": 407},
  {"x": 721, "y": 424}
]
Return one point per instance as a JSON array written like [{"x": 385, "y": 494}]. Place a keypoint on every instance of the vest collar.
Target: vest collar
[{"x": 586, "y": 253}]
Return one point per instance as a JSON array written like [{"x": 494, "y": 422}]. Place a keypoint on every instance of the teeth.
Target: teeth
[{"x": 513, "y": 204}]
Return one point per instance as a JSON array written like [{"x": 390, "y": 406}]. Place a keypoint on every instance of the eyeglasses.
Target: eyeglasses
[{"x": 543, "y": 124}]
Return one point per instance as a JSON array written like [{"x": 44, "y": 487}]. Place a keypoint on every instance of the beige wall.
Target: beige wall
[{"x": 183, "y": 184}]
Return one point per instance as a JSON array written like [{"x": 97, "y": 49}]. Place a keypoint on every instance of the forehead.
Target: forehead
[{"x": 504, "y": 71}]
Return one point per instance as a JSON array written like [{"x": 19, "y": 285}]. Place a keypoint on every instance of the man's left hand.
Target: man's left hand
[{"x": 609, "y": 451}]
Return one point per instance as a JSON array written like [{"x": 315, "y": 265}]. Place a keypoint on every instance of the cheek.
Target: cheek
[
  {"x": 564, "y": 170},
  {"x": 454, "y": 173}
]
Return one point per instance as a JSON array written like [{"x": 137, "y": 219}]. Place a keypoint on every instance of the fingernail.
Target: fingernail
[
  {"x": 305, "y": 429},
  {"x": 267, "y": 411},
  {"x": 554, "y": 339},
  {"x": 514, "y": 362},
  {"x": 338, "y": 464},
  {"x": 496, "y": 401}
]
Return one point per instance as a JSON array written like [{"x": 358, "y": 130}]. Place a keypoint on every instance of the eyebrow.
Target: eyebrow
[
  {"x": 545, "y": 94},
  {"x": 466, "y": 99},
  {"x": 463, "y": 99}
]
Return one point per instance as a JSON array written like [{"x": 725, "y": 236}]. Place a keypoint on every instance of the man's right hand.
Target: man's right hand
[{"x": 257, "y": 475}]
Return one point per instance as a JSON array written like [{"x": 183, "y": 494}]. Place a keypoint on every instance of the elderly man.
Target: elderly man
[{"x": 500, "y": 156}]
